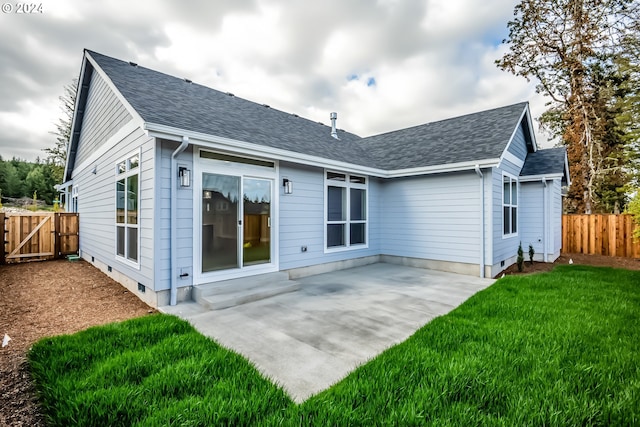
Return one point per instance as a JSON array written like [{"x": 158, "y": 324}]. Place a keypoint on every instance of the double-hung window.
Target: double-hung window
[
  {"x": 127, "y": 202},
  {"x": 509, "y": 206},
  {"x": 346, "y": 210}
]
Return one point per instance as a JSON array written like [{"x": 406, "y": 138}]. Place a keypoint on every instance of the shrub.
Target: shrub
[
  {"x": 532, "y": 252},
  {"x": 520, "y": 260}
]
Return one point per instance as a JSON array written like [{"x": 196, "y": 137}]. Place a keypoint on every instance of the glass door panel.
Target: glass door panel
[
  {"x": 256, "y": 244},
  {"x": 220, "y": 197}
]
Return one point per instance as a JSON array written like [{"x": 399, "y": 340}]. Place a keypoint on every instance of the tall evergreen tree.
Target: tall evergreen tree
[
  {"x": 57, "y": 155},
  {"x": 569, "y": 47}
]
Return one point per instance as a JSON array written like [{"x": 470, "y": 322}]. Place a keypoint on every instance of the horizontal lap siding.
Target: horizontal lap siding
[
  {"x": 518, "y": 146},
  {"x": 433, "y": 217},
  {"x": 503, "y": 248},
  {"x": 532, "y": 216},
  {"x": 104, "y": 115},
  {"x": 96, "y": 205},
  {"x": 302, "y": 220},
  {"x": 184, "y": 244},
  {"x": 556, "y": 195}
]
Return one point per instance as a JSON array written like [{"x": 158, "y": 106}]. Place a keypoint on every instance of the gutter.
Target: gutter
[
  {"x": 482, "y": 219},
  {"x": 173, "y": 220},
  {"x": 237, "y": 146},
  {"x": 545, "y": 220}
]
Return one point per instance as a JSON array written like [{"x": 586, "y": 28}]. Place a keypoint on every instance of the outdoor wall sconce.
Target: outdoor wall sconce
[
  {"x": 288, "y": 186},
  {"x": 185, "y": 177}
]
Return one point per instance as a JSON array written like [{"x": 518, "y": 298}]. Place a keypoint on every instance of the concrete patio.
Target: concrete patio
[{"x": 310, "y": 339}]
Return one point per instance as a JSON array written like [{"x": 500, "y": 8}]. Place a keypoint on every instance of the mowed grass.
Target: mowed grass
[{"x": 560, "y": 348}]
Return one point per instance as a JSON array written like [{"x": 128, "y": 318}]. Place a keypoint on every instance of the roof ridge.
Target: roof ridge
[
  {"x": 523, "y": 103},
  {"x": 262, "y": 105}
]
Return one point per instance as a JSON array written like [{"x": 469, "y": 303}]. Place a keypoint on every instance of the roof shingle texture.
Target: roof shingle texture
[
  {"x": 545, "y": 162},
  {"x": 165, "y": 100}
]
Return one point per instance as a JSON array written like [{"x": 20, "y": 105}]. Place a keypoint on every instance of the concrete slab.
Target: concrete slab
[{"x": 308, "y": 340}]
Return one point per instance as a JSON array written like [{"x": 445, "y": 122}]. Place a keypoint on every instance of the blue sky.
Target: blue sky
[{"x": 382, "y": 65}]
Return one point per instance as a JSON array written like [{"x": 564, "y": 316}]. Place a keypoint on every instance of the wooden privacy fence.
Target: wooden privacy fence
[
  {"x": 610, "y": 235},
  {"x": 38, "y": 236}
]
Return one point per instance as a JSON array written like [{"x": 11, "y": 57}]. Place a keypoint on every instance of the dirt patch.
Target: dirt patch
[
  {"x": 577, "y": 259},
  {"x": 41, "y": 299}
]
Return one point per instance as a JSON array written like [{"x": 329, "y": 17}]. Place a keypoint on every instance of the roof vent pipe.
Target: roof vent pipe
[{"x": 334, "y": 131}]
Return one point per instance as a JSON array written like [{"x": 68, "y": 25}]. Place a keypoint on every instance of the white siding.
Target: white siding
[
  {"x": 302, "y": 220},
  {"x": 184, "y": 245},
  {"x": 503, "y": 248},
  {"x": 103, "y": 116},
  {"x": 532, "y": 217},
  {"x": 435, "y": 217},
  {"x": 96, "y": 205},
  {"x": 556, "y": 195}
]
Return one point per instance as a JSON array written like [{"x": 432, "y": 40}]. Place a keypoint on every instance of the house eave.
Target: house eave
[
  {"x": 213, "y": 141},
  {"x": 534, "y": 178}
]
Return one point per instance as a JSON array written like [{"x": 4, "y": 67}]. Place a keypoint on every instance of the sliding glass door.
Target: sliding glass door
[
  {"x": 236, "y": 222},
  {"x": 256, "y": 242}
]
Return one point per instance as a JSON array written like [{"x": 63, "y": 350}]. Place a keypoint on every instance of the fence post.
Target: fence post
[
  {"x": 2, "y": 237},
  {"x": 56, "y": 234}
]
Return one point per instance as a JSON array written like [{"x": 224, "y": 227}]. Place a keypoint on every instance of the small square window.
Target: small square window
[
  {"x": 134, "y": 162},
  {"x": 336, "y": 176}
]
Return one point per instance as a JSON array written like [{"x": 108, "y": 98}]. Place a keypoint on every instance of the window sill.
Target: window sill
[{"x": 345, "y": 248}]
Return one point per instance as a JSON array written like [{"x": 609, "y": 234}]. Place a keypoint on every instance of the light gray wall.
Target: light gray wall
[
  {"x": 504, "y": 248},
  {"x": 104, "y": 115},
  {"x": 96, "y": 205},
  {"x": 302, "y": 220},
  {"x": 433, "y": 217},
  {"x": 518, "y": 145},
  {"x": 556, "y": 195},
  {"x": 532, "y": 216},
  {"x": 185, "y": 214}
]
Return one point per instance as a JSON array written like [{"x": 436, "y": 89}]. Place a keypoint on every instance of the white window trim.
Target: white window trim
[
  {"x": 348, "y": 185},
  {"x": 503, "y": 205},
  {"x": 118, "y": 177},
  {"x": 204, "y": 165}
]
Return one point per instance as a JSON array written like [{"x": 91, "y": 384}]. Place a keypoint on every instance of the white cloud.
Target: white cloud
[{"x": 430, "y": 59}]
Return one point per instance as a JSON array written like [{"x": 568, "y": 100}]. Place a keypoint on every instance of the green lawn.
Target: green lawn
[{"x": 561, "y": 348}]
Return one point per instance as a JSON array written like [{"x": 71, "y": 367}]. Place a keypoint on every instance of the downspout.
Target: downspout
[
  {"x": 174, "y": 222},
  {"x": 545, "y": 218},
  {"x": 482, "y": 242}
]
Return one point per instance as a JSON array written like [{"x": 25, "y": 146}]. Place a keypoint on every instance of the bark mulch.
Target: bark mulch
[{"x": 40, "y": 299}]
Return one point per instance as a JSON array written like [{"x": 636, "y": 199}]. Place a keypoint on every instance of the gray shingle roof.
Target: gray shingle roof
[
  {"x": 472, "y": 137},
  {"x": 166, "y": 100},
  {"x": 545, "y": 162}
]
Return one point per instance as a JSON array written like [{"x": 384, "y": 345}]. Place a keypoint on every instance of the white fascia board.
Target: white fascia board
[
  {"x": 531, "y": 132},
  {"x": 532, "y": 178},
  {"x": 527, "y": 114},
  {"x": 75, "y": 114},
  {"x": 566, "y": 169},
  {"x": 234, "y": 145},
  {"x": 176, "y": 134},
  {"x": 452, "y": 167},
  {"x": 510, "y": 157}
]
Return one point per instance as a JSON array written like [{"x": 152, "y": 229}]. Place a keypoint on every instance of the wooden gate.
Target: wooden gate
[{"x": 38, "y": 236}]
